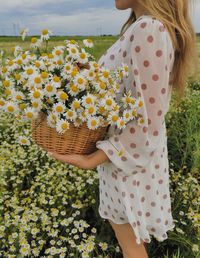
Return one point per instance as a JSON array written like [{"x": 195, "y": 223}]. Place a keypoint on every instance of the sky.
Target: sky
[{"x": 68, "y": 17}]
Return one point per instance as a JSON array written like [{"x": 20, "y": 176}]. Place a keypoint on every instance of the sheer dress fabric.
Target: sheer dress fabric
[{"x": 134, "y": 186}]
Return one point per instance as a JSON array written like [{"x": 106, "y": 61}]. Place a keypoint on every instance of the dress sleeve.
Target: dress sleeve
[{"x": 148, "y": 51}]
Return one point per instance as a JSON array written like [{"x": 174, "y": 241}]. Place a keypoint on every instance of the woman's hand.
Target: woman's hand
[{"x": 84, "y": 161}]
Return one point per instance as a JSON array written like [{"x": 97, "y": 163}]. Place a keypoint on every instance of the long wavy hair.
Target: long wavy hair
[{"x": 175, "y": 15}]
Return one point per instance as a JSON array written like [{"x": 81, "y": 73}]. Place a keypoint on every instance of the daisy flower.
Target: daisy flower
[
  {"x": 127, "y": 115},
  {"x": 23, "y": 140},
  {"x": 8, "y": 82},
  {"x": 76, "y": 104},
  {"x": 82, "y": 57},
  {"x": 121, "y": 123},
  {"x": 73, "y": 89},
  {"x": 23, "y": 33},
  {"x": 88, "y": 100},
  {"x": 36, "y": 104},
  {"x": 100, "y": 86},
  {"x": 93, "y": 122},
  {"x": 49, "y": 90},
  {"x": 36, "y": 94},
  {"x": 89, "y": 74},
  {"x": 73, "y": 51},
  {"x": 71, "y": 42},
  {"x": 141, "y": 121},
  {"x": 91, "y": 110},
  {"x": 19, "y": 77},
  {"x": 55, "y": 81},
  {"x": 11, "y": 107},
  {"x": 59, "y": 108},
  {"x": 93, "y": 65},
  {"x": 45, "y": 34},
  {"x": 62, "y": 126},
  {"x": 35, "y": 42},
  {"x": 51, "y": 120},
  {"x": 2, "y": 103},
  {"x": 30, "y": 71},
  {"x": 58, "y": 51},
  {"x": 88, "y": 43},
  {"x": 11, "y": 65},
  {"x": 125, "y": 69},
  {"x": 108, "y": 102},
  {"x": 82, "y": 114},
  {"x": 104, "y": 75},
  {"x": 62, "y": 96},
  {"x": 17, "y": 95},
  {"x": 30, "y": 113},
  {"x": 113, "y": 117},
  {"x": 71, "y": 114},
  {"x": 80, "y": 81}
]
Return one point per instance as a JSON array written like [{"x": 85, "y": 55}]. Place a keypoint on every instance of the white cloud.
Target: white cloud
[{"x": 92, "y": 22}]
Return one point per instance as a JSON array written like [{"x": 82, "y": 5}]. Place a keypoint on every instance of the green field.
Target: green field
[{"x": 101, "y": 43}]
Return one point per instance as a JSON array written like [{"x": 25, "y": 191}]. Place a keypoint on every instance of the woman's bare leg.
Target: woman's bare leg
[{"x": 127, "y": 241}]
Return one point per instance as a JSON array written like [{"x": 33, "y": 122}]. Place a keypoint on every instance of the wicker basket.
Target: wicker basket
[{"x": 78, "y": 140}]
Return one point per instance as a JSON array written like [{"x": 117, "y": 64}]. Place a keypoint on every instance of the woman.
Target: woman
[{"x": 158, "y": 44}]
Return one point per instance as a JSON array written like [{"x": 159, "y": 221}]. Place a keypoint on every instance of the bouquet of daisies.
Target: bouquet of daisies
[{"x": 66, "y": 84}]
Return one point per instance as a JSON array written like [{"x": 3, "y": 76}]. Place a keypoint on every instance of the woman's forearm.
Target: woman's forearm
[{"x": 98, "y": 157}]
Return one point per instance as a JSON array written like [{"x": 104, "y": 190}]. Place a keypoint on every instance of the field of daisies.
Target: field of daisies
[{"x": 50, "y": 209}]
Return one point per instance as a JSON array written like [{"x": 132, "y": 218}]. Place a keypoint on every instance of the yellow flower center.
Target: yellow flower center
[
  {"x": 74, "y": 88},
  {"x": 4, "y": 69},
  {"x": 49, "y": 88},
  {"x": 58, "y": 52},
  {"x": 29, "y": 71},
  {"x": 91, "y": 110},
  {"x": 59, "y": 62},
  {"x": 10, "y": 108},
  {"x": 115, "y": 118},
  {"x": 23, "y": 141},
  {"x": 35, "y": 104},
  {"x": 50, "y": 56},
  {"x": 23, "y": 56},
  {"x": 82, "y": 55},
  {"x": 102, "y": 85},
  {"x": 10, "y": 62},
  {"x": 93, "y": 122},
  {"x": 45, "y": 32},
  {"x": 29, "y": 114},
  {"x": 105, "y": 74},
  {"x": 80, "y": 81},
  {"x": 64, "y": 126},
  {"x": 44, "y": 75},
  {"x": 88, "y": 100},
  {"x": 19, "y": 62},
  {"x": 56, "y": 79},
  {"x": 76, "y": 105},
  {"x": 34, "y": 40},
  {"x": 37, "y": 80},
  {"x": 17, "y": 76},
  {"x": 6, "y": 83},
  {"x": 22, "y": 106},
  {"x": 36, "y": 94},
  {"x": 70, "y": 113},
  {"x": 59, "y": 109},
  {"x": 63, "y": 95},
  {"x": 109, "y": 102},
  {"x": 18, "y": 97},
  {"x": 37, "y": 64}
]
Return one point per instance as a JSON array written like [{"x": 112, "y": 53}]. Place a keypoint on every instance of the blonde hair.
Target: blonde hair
[{"x": 174, "y": 14}]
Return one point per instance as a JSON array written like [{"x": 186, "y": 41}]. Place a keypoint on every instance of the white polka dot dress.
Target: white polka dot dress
[{"x": 134, "y": 186}]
